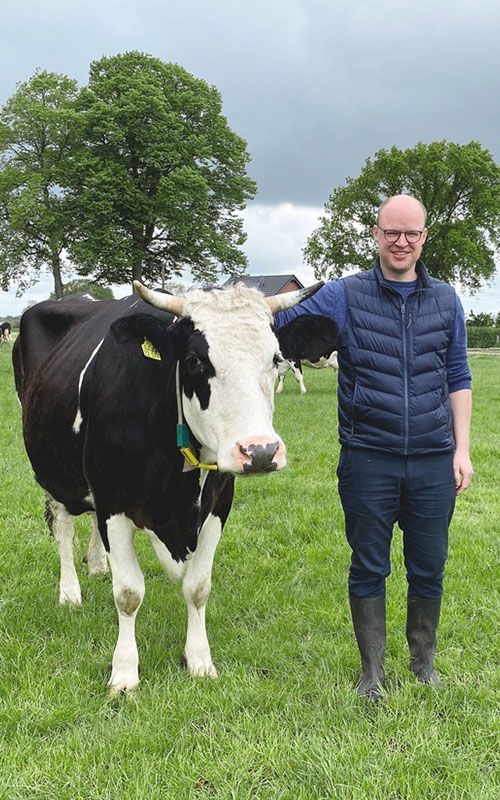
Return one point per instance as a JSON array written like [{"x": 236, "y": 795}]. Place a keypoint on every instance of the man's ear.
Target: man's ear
[
  {"x": 309, "y": 336},
  {"x": 168, "y": 340}
]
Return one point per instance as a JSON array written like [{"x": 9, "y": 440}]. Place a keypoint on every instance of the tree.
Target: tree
[
  {"x": 86, "y": 286},
  {"x": 481, "y": 320},
  {"x": 458, "y": 184},
  {"x": 162, "y": 178},
  {"x": 38, "y": 134}
]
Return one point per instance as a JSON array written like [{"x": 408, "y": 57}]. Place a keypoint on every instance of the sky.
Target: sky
[{"x": 315, "y": 87}]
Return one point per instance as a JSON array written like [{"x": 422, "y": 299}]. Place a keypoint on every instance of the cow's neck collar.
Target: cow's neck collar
[{"x": 183, "y": 438}]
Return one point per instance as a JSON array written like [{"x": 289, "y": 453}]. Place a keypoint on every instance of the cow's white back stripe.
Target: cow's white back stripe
[{"x": 78, "y": 418}]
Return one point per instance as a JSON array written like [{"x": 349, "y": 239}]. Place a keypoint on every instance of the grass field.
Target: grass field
[{"x": 282, "y": 721}]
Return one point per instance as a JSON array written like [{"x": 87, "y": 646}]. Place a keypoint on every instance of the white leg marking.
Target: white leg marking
[
  {"x": 63, "y": 530},
  {"x": 128, "y": 591},
  {"x": 283, "y": 368},
  {"x": 175, "y": 570},
  {"x": 299, "y": 378},
  {"x": 97, "y": 562},
  {"x": 78, "y": 417},
  {"x": 196, "y": 590}
]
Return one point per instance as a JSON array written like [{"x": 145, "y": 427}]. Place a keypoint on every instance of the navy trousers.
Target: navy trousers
[{"x": 378, "y": 489}]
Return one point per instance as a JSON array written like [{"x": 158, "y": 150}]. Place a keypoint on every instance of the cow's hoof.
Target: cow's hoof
[
  {"x": 121, "y": 683},
  {"x": 70, "y": 596},
  {"x": 201, "y": 668}
]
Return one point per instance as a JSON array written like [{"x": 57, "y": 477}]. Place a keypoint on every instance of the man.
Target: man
[{"x": 404, "y": 417}]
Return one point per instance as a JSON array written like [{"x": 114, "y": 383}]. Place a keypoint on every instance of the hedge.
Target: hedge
[{"x": 482, "y": 337}]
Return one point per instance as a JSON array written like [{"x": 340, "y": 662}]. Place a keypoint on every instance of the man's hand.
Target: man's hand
[{"x": 462, "y": 469}]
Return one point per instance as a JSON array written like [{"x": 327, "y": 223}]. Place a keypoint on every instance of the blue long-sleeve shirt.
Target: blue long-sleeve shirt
[{"x": 330, "y": 301}]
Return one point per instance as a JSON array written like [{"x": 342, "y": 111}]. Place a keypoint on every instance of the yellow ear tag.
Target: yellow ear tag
[{"x": 150, "y": 351}]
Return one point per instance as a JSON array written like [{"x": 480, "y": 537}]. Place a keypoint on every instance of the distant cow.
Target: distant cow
[
  {"x": 296, "y": 367},
  {"x": 5, "y": 332},
  {"x": 326, "y": 355},
  {"x": 145, "y": 420}
]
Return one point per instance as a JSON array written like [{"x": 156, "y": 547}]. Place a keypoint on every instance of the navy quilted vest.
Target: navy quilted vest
[{"x": 393, "y": 393}]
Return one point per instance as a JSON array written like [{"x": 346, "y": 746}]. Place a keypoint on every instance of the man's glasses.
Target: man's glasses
[{"x": 412, "y": 237}]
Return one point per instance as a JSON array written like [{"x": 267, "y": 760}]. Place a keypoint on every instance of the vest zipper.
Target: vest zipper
[{"x": 405, "y": 381}]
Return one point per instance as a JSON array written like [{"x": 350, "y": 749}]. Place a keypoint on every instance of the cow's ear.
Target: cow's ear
[
  {"x": 156, "y": 339},
  {"x": 309, "y": 336}
]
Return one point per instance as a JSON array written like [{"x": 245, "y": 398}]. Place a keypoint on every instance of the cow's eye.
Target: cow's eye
[{"x": 193, "y": 363}]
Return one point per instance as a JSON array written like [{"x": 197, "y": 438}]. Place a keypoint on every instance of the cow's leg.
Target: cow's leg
[
  {"x": 97, "y": 562},
  {"x": 297, "y": 371},
  {"x": 283, "y": 368},
  {"x": 196, "y": 590},
  {"x": 128, "y": 591},
  {"x": 217, "y": 495},
  {"x": 60, "y": 523}
]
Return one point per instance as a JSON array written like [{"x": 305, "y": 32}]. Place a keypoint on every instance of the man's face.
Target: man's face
[{"x": 398, "y": 258}]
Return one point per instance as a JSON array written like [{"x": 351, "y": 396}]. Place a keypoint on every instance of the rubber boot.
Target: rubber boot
[
  {"x": 368, "y": 619},
  {"x": 421, "y": 632}
]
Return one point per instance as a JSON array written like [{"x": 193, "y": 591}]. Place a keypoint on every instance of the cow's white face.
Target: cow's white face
[{"x": 228, "y": 378}]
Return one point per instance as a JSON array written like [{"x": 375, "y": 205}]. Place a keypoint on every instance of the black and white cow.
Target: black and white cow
[
  {"x": 327, "y": 357},
  {"x": 103, "y": 386},
  {"x": 5, "y": 332}
]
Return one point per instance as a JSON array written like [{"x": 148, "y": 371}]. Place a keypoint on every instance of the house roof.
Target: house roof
[{"x": 267, "y": 284}]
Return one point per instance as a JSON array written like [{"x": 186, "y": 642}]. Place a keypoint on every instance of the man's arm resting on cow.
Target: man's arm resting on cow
[{"x": 461, "y": 410}]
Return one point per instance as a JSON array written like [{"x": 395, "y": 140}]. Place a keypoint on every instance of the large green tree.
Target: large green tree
[
  {"x": 162, "y": 178},
  {"x": 38, "y": 136},
  {"x": 460, "y": 188}
]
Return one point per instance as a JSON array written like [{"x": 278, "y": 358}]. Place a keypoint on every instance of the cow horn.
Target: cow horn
[
  {"x": 167, "y": 302},
  {"x": 279, "y": 302}
]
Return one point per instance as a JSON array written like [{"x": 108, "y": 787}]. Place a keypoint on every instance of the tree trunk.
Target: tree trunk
[{"x": 56, "y": 271}]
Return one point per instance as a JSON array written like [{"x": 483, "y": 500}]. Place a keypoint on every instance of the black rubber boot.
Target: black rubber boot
[
  {"x": 421, "y": 631},
  {"x": 368, "y": 619}
]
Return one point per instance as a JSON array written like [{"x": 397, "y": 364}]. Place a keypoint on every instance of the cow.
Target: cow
[
  {"x": 326, "y": 358},
  {"x": 5, "y": 332},
  {"x": 142, "y": 411}
]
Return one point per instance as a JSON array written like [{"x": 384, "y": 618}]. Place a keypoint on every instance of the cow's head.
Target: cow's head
[{"x": 228, "y": 371}]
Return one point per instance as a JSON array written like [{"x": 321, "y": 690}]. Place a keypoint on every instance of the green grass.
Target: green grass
[{"x": 282, "y": 721}]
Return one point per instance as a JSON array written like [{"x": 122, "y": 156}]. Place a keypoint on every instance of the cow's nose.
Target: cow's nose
[{"x": 261, "y": 457}]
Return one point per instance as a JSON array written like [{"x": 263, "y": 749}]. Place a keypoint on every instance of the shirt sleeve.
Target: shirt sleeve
[
  {"x": 329, "y": 301},
  {"x": 457, "y": 367}
]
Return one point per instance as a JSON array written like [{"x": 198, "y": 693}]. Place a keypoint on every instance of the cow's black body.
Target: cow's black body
[{"x": 125, "y": 457}]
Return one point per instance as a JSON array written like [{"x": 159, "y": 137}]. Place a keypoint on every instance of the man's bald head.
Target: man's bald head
[{"x": 401, "y": 203}]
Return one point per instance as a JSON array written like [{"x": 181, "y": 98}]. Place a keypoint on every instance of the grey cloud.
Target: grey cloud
[{"x": 314, "y": 86}]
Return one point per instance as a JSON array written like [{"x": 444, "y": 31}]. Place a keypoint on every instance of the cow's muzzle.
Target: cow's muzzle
[{"x": 259, "y": 455}]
